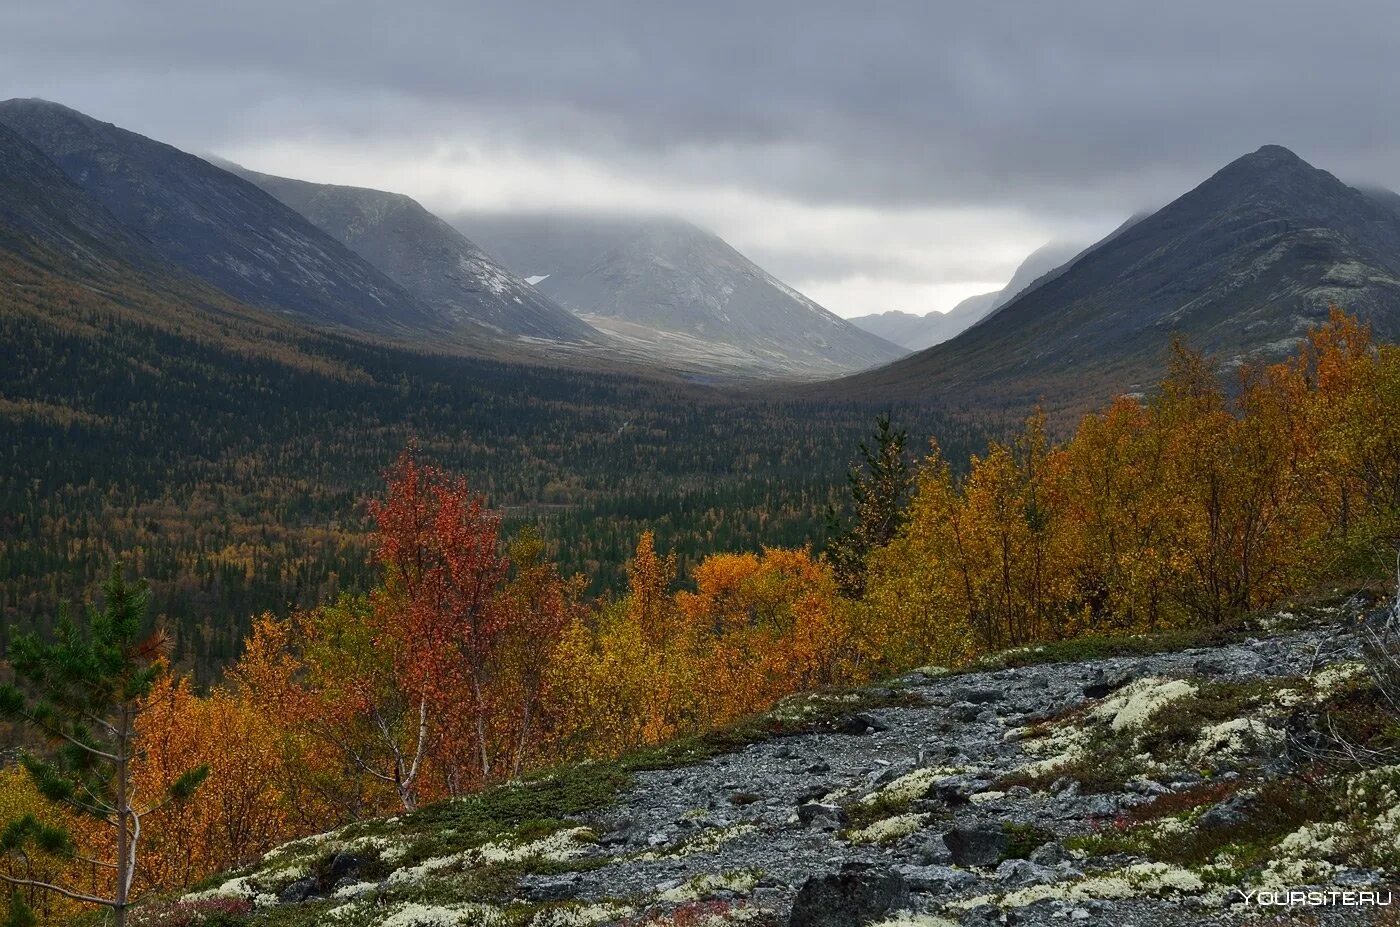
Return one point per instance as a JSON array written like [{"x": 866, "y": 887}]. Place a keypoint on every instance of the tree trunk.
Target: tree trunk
[{"x": 124, "y": 834}]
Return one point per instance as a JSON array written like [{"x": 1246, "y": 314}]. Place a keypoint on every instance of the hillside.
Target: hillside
[
  {"x": 1240, "y": 266},
  {"x": 427, "y": 257},
  {"x": 41, "y": 209},
  {"x": 1087, "y": 783},
  {"x": 217, "y": 227},
  {"x": 917, "y": 332},
  {"x": 666, "y": 288}
]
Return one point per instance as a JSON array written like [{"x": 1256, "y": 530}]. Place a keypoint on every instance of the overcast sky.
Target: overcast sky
[{"x": 877, "y": 155}]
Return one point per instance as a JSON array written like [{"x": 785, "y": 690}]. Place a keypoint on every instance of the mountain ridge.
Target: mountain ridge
[
  {"x": 1240, "y": 266},
  {"x": 665, "y": 286},
  {"x": 216, "y": 226},
  {"x": 428, "y": 257}
]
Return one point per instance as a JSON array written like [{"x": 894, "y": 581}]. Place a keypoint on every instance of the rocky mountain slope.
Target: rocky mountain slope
[
  {"x": 41, "y": 208},
  {"x": 428, "y": 258},
  {"x": 215, "y": 226},
  {"x": 917, "y": 332},
  {"x": 667, "y": 288},
  {"x": 1138, "y": 787},
  {"x": 1240, "y": 266}
]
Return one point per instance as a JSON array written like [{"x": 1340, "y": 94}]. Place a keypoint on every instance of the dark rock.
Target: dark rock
[
  {"x": 1106, "y": 682},
  {"x": 1049, "y": 854},
  {"x": 1020, "y": 872},
  {"x": 1230, "y": 663},
  {"x": 297, "y": 892},
  {"x": 976, "y": 846},
  {"x": 936, "y": 880},
  {"x": 818, "y": 767},
  {"x": 1228, "y": 813},
  {"x": 825, "y": 817},
  {"x": 955, "y": 791},
  {"x": 861, "y": 723},
  {"x": 1100, "y": 806},
  {"x": 983, "y": 914},
  {"x": 561, "y": 887},
  {"x": 966, "y": 711},
  {"x": 977, "y": 695},
  {"x": 853, "y": 897},
  {"x": 344, "y": 866},
  {"x": 892, "y": 772}
]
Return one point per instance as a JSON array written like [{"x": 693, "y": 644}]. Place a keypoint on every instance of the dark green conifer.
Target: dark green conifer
[
  {"x": 84, "y": 692},
  {"x": 879, "y": 486}
]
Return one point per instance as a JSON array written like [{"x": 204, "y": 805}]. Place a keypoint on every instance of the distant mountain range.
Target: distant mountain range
[
  {"x": 430, "y": 259},
  {"x": 917, "y": 332},
  {"x": 1241, "y": 266},
  {"x": 667, "y": 289}
]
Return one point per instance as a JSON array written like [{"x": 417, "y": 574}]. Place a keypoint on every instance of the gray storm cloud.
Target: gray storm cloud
[{"x": 873, "y": 153}]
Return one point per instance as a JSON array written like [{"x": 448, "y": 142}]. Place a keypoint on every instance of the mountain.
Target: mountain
[
  {"x": 41, "y": 210},
  {"x": 427, "y": 257},
  {"x": 1241, "y": 267},
  {"x": 217, "y": 227},
  {"x": 666, "y": 288},
  {"x": 917, "y": 332}
]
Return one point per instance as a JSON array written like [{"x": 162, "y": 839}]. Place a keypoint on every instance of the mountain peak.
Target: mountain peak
[
  {"x": 1275, "y": 153},
  {"x": 1241, "y": 266},
  {"x": 1270, "y": 160}
]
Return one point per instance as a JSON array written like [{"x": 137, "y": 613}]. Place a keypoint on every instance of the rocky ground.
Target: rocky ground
[{"x": 1130, "y": 790}]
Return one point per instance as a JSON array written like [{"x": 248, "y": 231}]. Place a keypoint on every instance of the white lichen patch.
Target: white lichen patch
[
  {"x": 241, "y": 887},
  {"x": 558, "y": 847},
  {"x": 1135, "y": 704},
  {"x": 704, "y": 842},
  {"x": 740, "y": 882},
  {"x": 1313, "y": 841},
  {"x": 1059, "y": 747},
  {"x": 911, "y": 919},
  {"x": 888, "y": 829},
  {"x": 1234, "y": 738},
  {"x": 911, "y": 786},
  {"x": 582, "y": 916},
  {"x": 1332, "y": 679},
  {"x": 1155, "y": 880},
  {"x": 982, "y": 798},
  {"x": 412, "y": 914}
]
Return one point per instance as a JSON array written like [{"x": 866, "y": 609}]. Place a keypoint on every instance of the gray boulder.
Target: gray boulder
[
  {"x": 976, "y": 846},
  {"x": 853, "y": 897}
]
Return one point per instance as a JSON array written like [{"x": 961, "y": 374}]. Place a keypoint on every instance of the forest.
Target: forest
[
  {"x": 470, "y": 656},
  {"x": 245, "y": 449}
]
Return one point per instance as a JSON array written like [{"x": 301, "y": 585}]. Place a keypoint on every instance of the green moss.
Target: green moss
[
  {"x": 860, "y": 815},
  {"x": 1024, "y": 839},
  {"x": 803, "y": 714},
  {"x": 1107, "y": 764},
  {"x": 1103, "y": 647},
  {"x": 1279, "y": 808}
]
